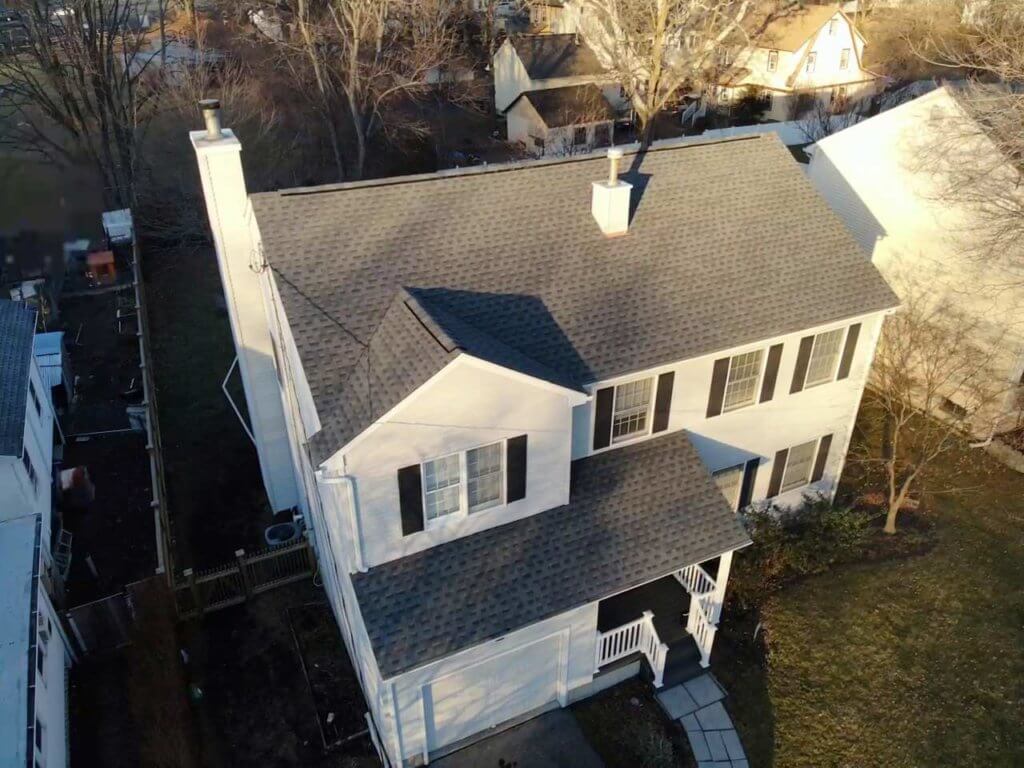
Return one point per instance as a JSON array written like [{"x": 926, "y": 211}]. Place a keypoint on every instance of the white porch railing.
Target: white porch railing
[
  {"x": 638, "y": 636},
  {"x": 696, "y": 580},
  {"x": 702, "y": 620}
]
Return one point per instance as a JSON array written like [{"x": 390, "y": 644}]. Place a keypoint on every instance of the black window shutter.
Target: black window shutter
[
  {"x": 718, "y": 379},
  {"x": 749, "y": 477},
  {"x": 410, "y": 498},
  {"x": 819, "y": 462},
  {"x": 778, "y": 467},
  {"x": 771, "y": 373},
  {"x": 603, "y": 417},
  {"x": 803, "y": 357},
  {"x": 515, "y": 469},
  {"x": 848, "y": 350},
  {"x": 663, "y": 401}
]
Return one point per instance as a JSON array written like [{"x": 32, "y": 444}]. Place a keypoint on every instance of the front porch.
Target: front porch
[{"x": 671, "y": 622}]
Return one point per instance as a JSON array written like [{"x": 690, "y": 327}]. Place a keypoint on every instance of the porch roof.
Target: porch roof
[{"x": 635, "y": 514}]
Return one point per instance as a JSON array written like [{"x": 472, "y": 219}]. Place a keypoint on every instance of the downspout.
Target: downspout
[{"x": 353, "y": 521}]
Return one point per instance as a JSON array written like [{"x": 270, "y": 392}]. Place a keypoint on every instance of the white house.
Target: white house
[
  {"x": 810, "y": 50},
  {"x": 34, "y": 652},
  {"x": 561, "y": 121},
  {"x": 521, "y": 440},
  {"x": 541, "y": 62},
  {"x": 889, "y": 178}
]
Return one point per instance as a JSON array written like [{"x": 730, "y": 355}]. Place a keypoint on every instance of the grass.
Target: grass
[{"x": 906, "y": 662}]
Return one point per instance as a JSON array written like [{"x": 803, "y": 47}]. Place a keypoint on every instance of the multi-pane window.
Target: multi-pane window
[
  {"x": 741, "y": 385},
  {"x": 729, "y": 481},
  {"x": 483, "y": 473},
  {"x": 632, "y": 409},
  {"x": 442, "y": 486},
  {"x": 464, "y": 482},
  {"x": 579, "y": 136},
  {"x": 798, "y": 466},
  {"x": 812, "y": 59},
  {"x": 821, "y": 367},
  {"x": 30, "y": 469},
  {"x": 844, "y": 58},
  {"x": 35, "y": 398},
  {"x": 773, "y": 60}
]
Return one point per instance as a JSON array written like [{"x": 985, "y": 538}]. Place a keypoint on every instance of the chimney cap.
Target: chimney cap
[
  {"x": 615, "y": 153},
  {"x": 205, "y": 104}
]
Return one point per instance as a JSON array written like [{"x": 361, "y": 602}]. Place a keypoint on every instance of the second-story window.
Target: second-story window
[
  {"x": 464, "y": 482},
  {"x": 741, "y": 384},
  {"x": 844, "y": 58},
  {"x": 773, "y": 60},
  {"x": 812, "y": 59},
  {"x": 483, "y": 473},
  {"x": 632, "y": 409},
  {"x": 821, "y": 367},
  {"x": 442, "y": 486}
]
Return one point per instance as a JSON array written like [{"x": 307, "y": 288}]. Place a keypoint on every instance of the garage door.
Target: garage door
[{"x": 491, "y": 692}]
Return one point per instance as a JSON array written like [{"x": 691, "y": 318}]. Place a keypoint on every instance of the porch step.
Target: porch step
[{"x": 682, "y": 663}]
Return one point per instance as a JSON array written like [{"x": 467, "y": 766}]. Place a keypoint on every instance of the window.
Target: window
[
  {"x": 773, "y": 60},
  {"x": 39, "y": 735},
  {"x": 833, "y": 25},
  {"x": 464, "y": 482},
  {"x": 483, "y": 473},
  {"x": 631, "y": 411},
  {"x": 844, "y": 58},
  {"x": 579, "y": 136},
  {"x": 729, "y": 481},
  {"x": 798, "y": 466},
  {"x": 602, "y": 135},
  {"x": 30, "y": 468},
  {"x": 741, "y": 384},
  {"x": 821, "y": 367},
  {"x": 812, "y": 58},
  {"x": 538, "y": 142},
  {"x": 953, "y": 408},
  {"x": 442, "y": 486},
  {"x": 35, "y": 398}
]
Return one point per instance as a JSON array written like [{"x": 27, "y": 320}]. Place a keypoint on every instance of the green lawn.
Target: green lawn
[{"x": 916, "y": 661}]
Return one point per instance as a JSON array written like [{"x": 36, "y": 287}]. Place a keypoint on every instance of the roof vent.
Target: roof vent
[
  {"x": 610, "y": 205},
  {"x": 211, "y": 116}
]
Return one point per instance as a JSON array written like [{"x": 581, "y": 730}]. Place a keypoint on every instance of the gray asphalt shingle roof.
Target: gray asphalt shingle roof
[
  {"x": 17, "y": 329},
  {"x": 635, "y": 514},
  {"x": 550, "y": 56},
  {"x": 569, "y": 105},
  {"x": 728, "y": 244}
]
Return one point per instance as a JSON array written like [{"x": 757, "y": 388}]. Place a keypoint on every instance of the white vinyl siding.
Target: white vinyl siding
[
  {"x": 465, "y": 482},
  {"x": 744, "y": 376},
  {"x": 799, "y": 461},
  {"x": 824, "y": 360},
  {"x": 632, "y": 409},
  {"x": 729, "y": 481}
]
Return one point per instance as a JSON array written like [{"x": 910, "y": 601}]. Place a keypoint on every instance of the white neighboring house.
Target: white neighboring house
[
  {"x": 552, "y": 17},
  {"x": 561, "y": 121},
  {"x": 812, "y": 50},
  {"x": 515, "y": 435},
  {"x": 540, "y": 62},
  {"x": 888, "y": 178},
  {"x": 34, "y": 652}
]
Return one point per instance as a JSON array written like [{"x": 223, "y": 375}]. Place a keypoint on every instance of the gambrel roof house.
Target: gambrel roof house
[
  {"x": 522, "y": 405},
  {"x": 560, "y": 121},
  {"x": 815, "y": 50}
]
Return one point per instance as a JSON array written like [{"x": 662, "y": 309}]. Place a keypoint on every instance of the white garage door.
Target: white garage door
[{"x": 492, "y": 692}]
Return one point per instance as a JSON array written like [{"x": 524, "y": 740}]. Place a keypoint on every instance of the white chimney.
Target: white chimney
[
  {"x": 235, "y": 239},
  {"x": 610, "y": 205}
]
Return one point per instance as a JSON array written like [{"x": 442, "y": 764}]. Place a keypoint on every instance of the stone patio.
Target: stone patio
[{"x": 697, "y": 706}]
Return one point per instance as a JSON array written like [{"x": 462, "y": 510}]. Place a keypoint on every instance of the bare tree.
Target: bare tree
[
  {"x": 822, "y": 120},
  {"x": 937, "y": 378},
  {"x": 368, "y": 58},
  {"x": 76, "y": 92},
  {"x": 656, "y": 47}
]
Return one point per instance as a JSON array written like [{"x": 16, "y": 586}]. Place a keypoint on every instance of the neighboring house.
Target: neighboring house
[
  {"x": 552, "y": 17},
  {"x": 811, "y": 51},
  {"x": 34, "y": 652},
  {"x": 560, "y": 121},
  {"x": 520, "y": 441},
  {"x": 889, "y": 178},
  {"x": 541, "y": 62}
]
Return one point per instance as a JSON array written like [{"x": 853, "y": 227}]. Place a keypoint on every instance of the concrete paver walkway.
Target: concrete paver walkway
[{"x": 697, "y": 705}]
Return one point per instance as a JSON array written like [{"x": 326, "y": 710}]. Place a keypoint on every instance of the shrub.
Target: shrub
[{"x": 790, "y": 544}]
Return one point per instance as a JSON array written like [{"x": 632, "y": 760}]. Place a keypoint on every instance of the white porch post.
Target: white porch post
[{"x": 721, "y": 579}]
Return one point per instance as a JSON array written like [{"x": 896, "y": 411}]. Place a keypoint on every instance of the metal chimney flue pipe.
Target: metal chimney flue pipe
[
  {"x": 211, "y": 116},
  {"x": 614, "y": 155}
]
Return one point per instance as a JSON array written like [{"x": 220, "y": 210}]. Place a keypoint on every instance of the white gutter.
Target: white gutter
[{"x": 353, "y": 519}]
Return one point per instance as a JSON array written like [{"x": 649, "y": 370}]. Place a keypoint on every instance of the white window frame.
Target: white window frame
[
  {"x": 648, "y": 415},
  {"x": 812, "y": 61},
  {"x": 833, "y": 25},
  {"x": 757, "y": 382},
  {"x": 773, "y": 61},
  {"x": 835, "y": 363},
  {"x": 844, "y": 59},
  {"x": 464, "y": 510},
  {"x": 805, "y": 481},
  {"x": 740, "y": 468}
]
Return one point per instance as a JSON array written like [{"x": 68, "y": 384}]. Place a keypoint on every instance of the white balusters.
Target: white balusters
[{"x": 638, "y": 636}]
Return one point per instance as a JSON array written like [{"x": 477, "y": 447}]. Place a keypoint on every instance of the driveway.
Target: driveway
[{"x": 553, "y": 740}]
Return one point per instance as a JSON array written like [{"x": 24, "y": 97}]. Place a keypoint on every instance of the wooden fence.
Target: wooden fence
[{"x": 216, "y": 588}]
